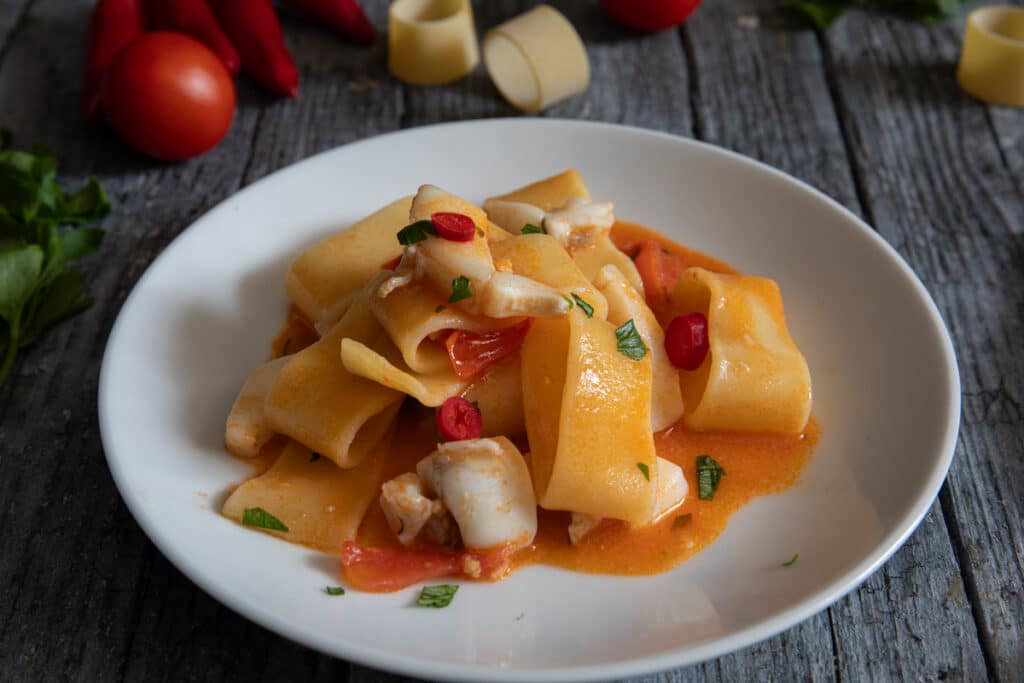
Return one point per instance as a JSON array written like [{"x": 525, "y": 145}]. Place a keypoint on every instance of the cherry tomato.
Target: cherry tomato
[
  {"x": 454, "y": 226},
  {"x": 169, "y": 96},
  {"x": 650, "y": 15},
  {"x": 686, "y": 341},
  {"x": 472, "y": 353},
  {"x": 659, "y": 272},
  {"x": 458, "y": 419}
]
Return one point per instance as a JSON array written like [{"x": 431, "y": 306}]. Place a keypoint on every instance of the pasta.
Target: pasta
[{"x": 577, "y": 390}]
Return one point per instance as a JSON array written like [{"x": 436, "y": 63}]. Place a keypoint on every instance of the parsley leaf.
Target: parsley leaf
[
  {"x": 584, "y": 306},
  {"x": 793, "y": 560},
  {"x": 460, "y": 289},
  {"x": 259, "y": 517},
  {"x": 644, "y": 470},
  {"x": 416, "y": 232},
  {"x": 531, "y": 229},
  {"x": 437, "y": 596},
  {"x": 709, "y": 473},
  {"x": 39, "y": 285},
  {"x": 334, "y": 590},
  {"x": 476, "y": 404},
  {"x": 629, "y": 342}
]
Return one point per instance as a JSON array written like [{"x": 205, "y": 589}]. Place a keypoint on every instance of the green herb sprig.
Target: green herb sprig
[
  {"x": 460, "y": 289},
  {"x": 437, "y": 596},
  {"x": 41, "y": 238},
  {"x": 416, "y": 232},
  {"x": 531, "y": 229},
  {"x": 629, "y": 342},
  {"x": 584, "y": 306},
  {"x": 709, "y": 474},
  {"x": 260, "y": 518},
  {"x": 822, "y": 13}
]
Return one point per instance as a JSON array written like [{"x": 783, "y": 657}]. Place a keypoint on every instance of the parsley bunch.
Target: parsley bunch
[
  {"x": 40, "y": 239},
  {"x": 821, "y": 13}
]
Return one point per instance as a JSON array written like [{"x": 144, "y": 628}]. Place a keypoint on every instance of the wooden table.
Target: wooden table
[{"x": 867, "y": 112}]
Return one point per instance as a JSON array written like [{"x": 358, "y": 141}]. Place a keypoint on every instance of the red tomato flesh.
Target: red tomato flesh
[
  {"x": 454, "y": 226},
  {"x": 169, "y": 96},
  {"x": 686, "y": 341},
  {"x": 659, "y": 272},
  {"x": 458, "y": 419},
  {"x": 472, "y": 353},
  {"x": 650, "y": 15},
  {"x": 385, "y": 570}
]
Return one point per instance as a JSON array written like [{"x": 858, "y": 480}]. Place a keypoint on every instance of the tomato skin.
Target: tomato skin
[
  {"x": 385, "y": 570},
  {"x": 650, "y": 15},
  {"x": 169, "y": 96},
  {"x": 472, "y": 353},
  {"x": 659, "y": 272}
]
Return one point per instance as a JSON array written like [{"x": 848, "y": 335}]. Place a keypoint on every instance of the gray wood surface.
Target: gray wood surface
[{"x": 867, "y": 112}]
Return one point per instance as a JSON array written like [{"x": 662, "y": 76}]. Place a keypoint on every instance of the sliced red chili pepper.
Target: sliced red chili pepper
[
  {"x": 458, "y": 419},
  {"x": 253, "y": 27},
  {"x": 344, "y": 16},
  {"x": 686, "y": 340},
  {"x": 115, "y": 24},
  {"x": 195, "y": 18},
  {"x": 472, "y": 353},
  {"x": 659, "y": 272},
  {"x": 456, "y": 227},
  {"x": 392, "y": 264}
]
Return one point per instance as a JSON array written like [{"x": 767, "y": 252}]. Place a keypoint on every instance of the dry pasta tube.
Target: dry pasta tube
[
  {"x": 992, "y": 60},
  {"x": 537, "y": 59},
  {"x": 431, "y": 42}
]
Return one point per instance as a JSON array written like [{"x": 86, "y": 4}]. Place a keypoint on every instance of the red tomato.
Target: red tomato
[
  {"x": 458, "y": 419},
  {"x": 659, "y": 272},
  {"x": 471, "y": 353},
  {"x": 169, "y": 96},
  {"x": 384, "y": 570},
  {"x": 650, "y": 15}
]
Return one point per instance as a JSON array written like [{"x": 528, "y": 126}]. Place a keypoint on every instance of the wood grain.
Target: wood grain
[{"x": 941, "y": 190}]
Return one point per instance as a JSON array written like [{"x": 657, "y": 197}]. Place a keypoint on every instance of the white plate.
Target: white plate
[{"x": 886, "y": 392}]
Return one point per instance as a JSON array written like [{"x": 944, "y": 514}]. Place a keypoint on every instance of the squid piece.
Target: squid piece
[
  {"x": 486, "y": 486},
  {"x": 577, "y": 224},
  {"x": 441, "y": 262},
  {"x": 406, "y": 507}
]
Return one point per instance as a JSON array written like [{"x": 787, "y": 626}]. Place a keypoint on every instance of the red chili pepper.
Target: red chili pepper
[
  {"x": 253, "y": 27},
  {"x": 686, "y": 341},
  {"x": 195, "y": 18},
  {"x": 456, "y": 227},
  {"x": 458, "y": 419},
  {"x": 472, "y": 353},
  {"x": 344, "y": 16},
  {"x": 115, "y": 23}
]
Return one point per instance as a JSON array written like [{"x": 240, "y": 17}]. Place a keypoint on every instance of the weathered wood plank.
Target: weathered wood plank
[
  {"x": 73, "y": 559},
  {"x": 939, "y": 189},
  {"x": 11, "y": 13},
  {"x": 182, "y": 633}
]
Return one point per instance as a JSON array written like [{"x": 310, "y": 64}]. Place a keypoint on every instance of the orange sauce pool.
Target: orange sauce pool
[{"x": 755, "y": 465}]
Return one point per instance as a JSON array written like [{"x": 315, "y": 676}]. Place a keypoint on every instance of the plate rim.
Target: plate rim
[{"x": 782, "y": 619}]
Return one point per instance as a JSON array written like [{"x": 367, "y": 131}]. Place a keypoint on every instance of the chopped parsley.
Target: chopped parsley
[
  {"x": 584, "y": 306},
  {"x": 629, "y": 342},
  {"x": 709, "y": 473},
  {"x": 682, "y": 520},
  {"x": 334, "y": 590},
  {"x": 416, "y": 232},
  {"x": 259, "y": 517},
  {"x": 531, "y": 229},
  {"x": 437, "y": 596},
  {"x": 793, "y": 560},
  {"x": 644, "y": 470},
  {"x": 460, "y": 289},
  {"x": 476, "y": 404}
]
